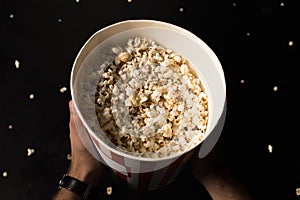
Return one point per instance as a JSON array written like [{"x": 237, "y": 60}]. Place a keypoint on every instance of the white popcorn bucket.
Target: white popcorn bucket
[{"x": 139, "y": 172}]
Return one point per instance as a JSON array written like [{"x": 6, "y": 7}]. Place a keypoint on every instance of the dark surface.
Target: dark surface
[{"x": 251, "y": 39}]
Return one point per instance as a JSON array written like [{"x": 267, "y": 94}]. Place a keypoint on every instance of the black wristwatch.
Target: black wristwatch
[{"x": 82, "y": 189}]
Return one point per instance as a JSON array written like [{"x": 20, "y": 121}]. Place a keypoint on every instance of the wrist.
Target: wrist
[
  {"x": 64, "y": 193},
  {"x": 90, "y": 176},
  {"x": 71, "y": 184}
]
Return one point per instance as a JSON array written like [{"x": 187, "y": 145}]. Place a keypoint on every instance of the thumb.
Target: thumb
[{"x": 71, "y": 109}]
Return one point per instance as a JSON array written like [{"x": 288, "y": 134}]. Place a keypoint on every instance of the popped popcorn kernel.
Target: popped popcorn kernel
[
  {"x": 270, "y": 148},
  {"x": 109, "y": 190},
  {"x": 17, "y": 64},
  {"x": 30, "y": 151},
  {"x": 63, "y": 89},
  {"x": 5, "y": 174},
  {"x": 69, "y": 156},
  {"x": 31, "y": 96}
]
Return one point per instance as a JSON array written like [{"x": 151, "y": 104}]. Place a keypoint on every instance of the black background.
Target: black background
[{"x": 251, "y": 39}]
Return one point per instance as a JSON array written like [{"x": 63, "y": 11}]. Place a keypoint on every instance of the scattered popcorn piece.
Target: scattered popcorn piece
[
  {"x": 30, "y": 151},
  {"x": 10, "y": 126},
  {"x": 291, "y": 43},
  {"x": 63, "y": 89},
  {"x": 5, "y": 174},
  {"x": 275, "y": 88},
  {"x": 298, "y": 191},
  {"x": 69, "y": 156},
  {"x": 270, "y": 148},
  {"x": 31, "y": 96},
  {"x": 17, "y": 64},
  {"x": 109, "y": 190}
]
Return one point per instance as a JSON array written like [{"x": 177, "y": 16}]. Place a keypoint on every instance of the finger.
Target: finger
[{"x": 71, "y": 122}]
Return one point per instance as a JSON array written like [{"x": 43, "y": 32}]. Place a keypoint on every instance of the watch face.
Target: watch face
[
  {"x": 60, "y": 184},
  {"x": 61, "y": 181}
]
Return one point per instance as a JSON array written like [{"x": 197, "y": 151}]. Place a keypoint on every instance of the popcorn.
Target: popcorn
[
  {"x": 109, "y": 190},
  {"x": 30, "y": 151},
  {"x": 5, "y": 174},
  {"x": 124, "y": 56},
  {"x": 270, "y": 148},
  {"x": 31, "y": 96},
  {"x": 63, "y": 89},
  {"x": 298, "y": 191},
  {"x": 69, "y": 156},
  {"x": 17, "y": 64},
  {"x": 148, "y": 102}
]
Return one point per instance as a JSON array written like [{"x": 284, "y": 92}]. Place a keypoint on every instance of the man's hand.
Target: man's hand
[{"x": 83, "y": 165}]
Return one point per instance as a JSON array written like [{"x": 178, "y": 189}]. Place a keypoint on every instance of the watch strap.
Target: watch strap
[{"x": 82, "y": 189}]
